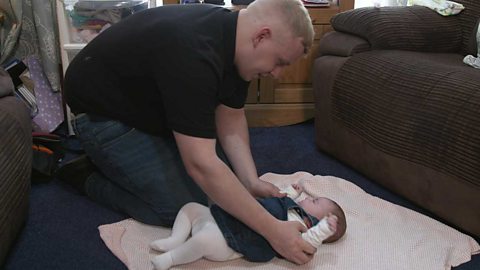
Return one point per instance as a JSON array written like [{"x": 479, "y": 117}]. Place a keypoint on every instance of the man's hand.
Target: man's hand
[
  {"x": 286, "y": 239},
  {"x": 262, "y": 189}
]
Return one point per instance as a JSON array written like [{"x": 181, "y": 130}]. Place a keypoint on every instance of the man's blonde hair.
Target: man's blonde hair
[{"x": 291, "y": 13}]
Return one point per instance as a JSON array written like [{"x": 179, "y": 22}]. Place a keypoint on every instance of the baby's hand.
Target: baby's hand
[
  {"x": 332, "y": 221},
  {"x": 298, "y": 188}
]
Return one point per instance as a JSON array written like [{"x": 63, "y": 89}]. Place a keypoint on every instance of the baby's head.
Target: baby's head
[{"x": 320, "y": 207}]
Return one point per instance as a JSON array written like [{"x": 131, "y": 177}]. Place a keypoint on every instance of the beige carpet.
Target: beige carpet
[{"x": 380, "y": 235}]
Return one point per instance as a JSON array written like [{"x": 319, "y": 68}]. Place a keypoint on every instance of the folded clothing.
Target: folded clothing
[{"x": 442, "y": 7}]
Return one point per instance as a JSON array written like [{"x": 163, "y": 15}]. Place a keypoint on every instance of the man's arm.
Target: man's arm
[
  {"x": 223, "y": 187},
  {"x": 232, "y": 131}
]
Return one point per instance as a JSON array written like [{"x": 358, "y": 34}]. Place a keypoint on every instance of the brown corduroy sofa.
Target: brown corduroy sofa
[
  {"x": 395, "y": 101},
  {"x": 15, "y": 164}
]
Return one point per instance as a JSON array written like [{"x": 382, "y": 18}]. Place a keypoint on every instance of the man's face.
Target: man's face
[{"x": 270, "y": 56}]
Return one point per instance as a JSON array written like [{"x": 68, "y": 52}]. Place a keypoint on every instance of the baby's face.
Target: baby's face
[{"x": 317, "y": 207}]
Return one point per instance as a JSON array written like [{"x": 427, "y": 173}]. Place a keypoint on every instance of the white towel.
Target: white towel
[{"x": 380, "y": 235}]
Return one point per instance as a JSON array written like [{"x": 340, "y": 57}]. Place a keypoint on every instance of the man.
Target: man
[{"x": 153, "y": 93}]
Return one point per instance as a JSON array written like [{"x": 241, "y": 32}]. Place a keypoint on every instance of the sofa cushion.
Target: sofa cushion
[
  {"x": 412, "y": 28},
  {"x": 434, "y": 124},
  {"x": 409, "y": 121}
]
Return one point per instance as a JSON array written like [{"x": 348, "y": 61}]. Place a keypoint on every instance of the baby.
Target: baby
[{"x": 217, "y": 236}]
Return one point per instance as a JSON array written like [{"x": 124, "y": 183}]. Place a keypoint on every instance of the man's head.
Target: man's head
[
  {"x": 320, "y": 207},
  {"x": 271, "y": 34}
]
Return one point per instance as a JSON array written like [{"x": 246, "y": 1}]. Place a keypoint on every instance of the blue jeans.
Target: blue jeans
[{"x": 139, "y": 174}]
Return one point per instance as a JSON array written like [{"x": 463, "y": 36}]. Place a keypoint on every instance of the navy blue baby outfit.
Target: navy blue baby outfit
[{"x": 244, "y": 240}]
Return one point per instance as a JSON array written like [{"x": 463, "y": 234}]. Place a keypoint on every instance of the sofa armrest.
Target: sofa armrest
[
  {"x": 6, "y": 84},
  {"x": 15, "y": 170},
  {"x": 342, "y": 44},
  {"x": 412, "y": 28}
]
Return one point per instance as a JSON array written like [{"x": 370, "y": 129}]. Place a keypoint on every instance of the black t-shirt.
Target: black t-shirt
[{"x": 161, "y": 69}]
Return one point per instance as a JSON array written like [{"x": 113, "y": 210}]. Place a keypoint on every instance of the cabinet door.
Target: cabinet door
[{"x": 252, "y": 96}]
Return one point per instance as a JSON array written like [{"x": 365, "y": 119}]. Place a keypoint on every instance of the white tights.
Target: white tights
[{"x": 206, "y": 239}]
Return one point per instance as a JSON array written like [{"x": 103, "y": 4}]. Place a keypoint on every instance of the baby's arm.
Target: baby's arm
[
  {"x": 324, "y": 229},
  {"x": 293, "y": 191}
]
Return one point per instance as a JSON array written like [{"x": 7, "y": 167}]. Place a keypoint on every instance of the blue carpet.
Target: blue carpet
[{"x": 61, "y": 229}]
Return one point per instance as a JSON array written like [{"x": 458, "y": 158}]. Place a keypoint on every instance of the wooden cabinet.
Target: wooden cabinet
[{"x": 289, "y": 99}]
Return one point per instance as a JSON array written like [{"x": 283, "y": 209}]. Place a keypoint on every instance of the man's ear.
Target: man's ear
[{"x": 261, "y": 35}]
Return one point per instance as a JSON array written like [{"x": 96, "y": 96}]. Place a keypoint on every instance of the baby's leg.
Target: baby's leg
[
  {"x": 207, "y": 241},
  {"x": 181, "y": 227}
]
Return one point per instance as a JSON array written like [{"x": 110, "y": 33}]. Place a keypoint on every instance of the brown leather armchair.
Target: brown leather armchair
[{"x": 395, "y": 101}]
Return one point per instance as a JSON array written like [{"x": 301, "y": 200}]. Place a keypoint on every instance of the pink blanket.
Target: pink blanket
[{"x": 380, "y": 235}]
